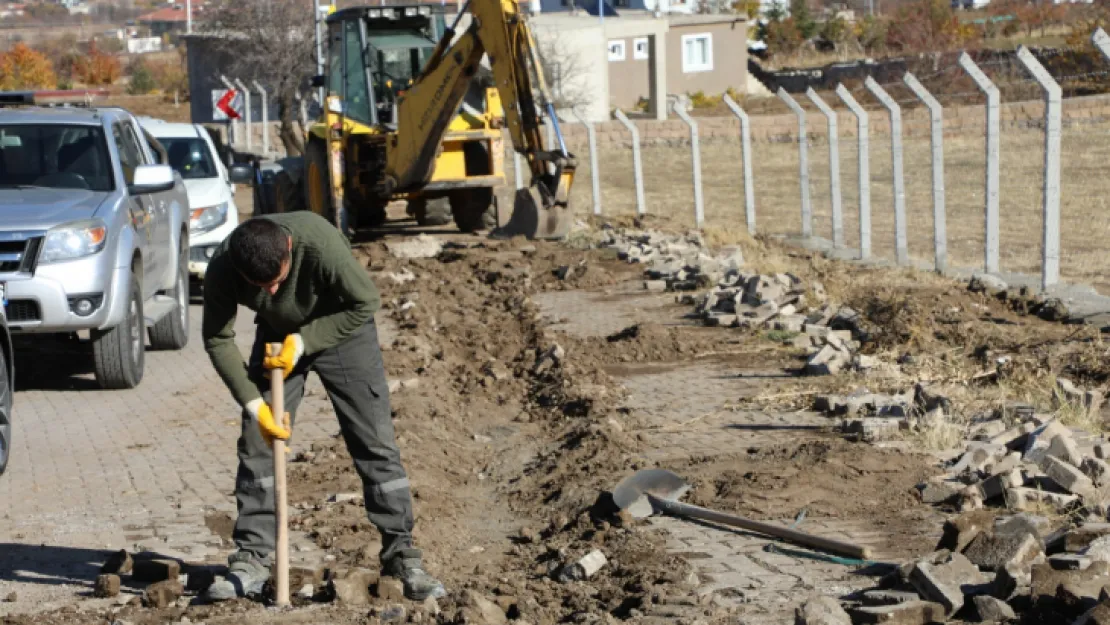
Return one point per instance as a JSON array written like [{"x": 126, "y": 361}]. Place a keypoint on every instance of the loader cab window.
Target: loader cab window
[
  {"x": 356, "y": 97},
  {"x": 397, "y": 59}
]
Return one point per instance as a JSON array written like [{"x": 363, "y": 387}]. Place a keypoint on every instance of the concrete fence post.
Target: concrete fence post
[
  {"x": 803, "y": 161},
  {"x": 994, "y": 110},
  {"x": 834, "y": 167},
  {"x": 1053, "y": 113},
  {"x": 595, "y": 166},
  {"x": 265, "y": 118},
  {"x": 637, "y": 162},
  {"x": 901, "y": 248},
  {"x": 746, "y": 157},
  {"x": 250, "y": 126},
  {"x": 864, "y": 160},
  {"x": 936, "y": 142},
  {"x": 234, "y": 139},
  {"x": 695, "y": 162},
  {"x": 1101, "y": 41}
]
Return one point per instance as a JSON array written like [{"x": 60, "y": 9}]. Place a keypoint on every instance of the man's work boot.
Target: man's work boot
[
  {"x": 246, "y": 576},
  {"x": 419, "y": 585}
]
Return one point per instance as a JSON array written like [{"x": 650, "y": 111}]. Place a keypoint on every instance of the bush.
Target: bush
[{"x": 142, "y": 80}]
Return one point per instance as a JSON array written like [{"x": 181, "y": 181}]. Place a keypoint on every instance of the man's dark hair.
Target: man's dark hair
[{"x": 258, "y": 247}]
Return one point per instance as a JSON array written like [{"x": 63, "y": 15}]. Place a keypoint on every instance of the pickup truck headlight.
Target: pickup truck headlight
[
  {"x": 208, "y": 218},
  {"x": 74, "y": 240}
]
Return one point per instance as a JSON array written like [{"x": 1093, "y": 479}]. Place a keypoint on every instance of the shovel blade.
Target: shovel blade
[{"x": 635, "y": 492}]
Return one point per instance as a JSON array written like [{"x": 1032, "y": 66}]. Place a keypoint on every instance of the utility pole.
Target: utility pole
[
  {"x": 188, "y": 17},
  {"x": 319, "y": 47}
]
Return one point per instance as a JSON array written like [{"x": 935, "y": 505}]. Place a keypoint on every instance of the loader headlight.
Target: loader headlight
[
  {"x": 375, "y": 13},
  {"x": 74, "y": 240},
  {"x": 425, "y": 10},
  {"x": 207, "y": 218},
  {"x": 389, "y": 13}
]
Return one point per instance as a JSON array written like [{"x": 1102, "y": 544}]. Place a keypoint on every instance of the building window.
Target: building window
[
  {"x": 640, "y": 49},
  {"x": 616, "y": 50},
  {"x": 697, "y": 53}
]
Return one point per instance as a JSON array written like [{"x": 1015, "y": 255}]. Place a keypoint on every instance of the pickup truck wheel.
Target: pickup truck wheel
[
  {"x": 172, "y": 331},
  {"x": 118, "y": 353},
  {"x": 5, "y": 413}
]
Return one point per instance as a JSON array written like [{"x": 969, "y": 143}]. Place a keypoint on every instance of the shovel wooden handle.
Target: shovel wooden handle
[
  {"x": 828, "y": 545},
  {"x": 281, "y": 498}
]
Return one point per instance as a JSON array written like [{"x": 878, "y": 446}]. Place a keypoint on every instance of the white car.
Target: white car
[{"x": 213, "y": 214}]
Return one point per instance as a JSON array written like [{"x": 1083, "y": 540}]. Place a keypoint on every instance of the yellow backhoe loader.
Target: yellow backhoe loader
[{"x": 411, "y": 113}]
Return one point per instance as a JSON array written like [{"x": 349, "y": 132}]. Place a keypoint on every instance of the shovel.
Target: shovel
[{"x": 653, "y": 491}]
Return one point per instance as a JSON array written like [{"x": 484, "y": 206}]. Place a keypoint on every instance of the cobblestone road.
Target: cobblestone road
[
  {"x": 99, "y": 470},
  {"x": 687, "y": 410}
]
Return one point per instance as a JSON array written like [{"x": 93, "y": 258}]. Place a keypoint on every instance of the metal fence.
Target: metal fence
[{"x": 745, "y": 185}]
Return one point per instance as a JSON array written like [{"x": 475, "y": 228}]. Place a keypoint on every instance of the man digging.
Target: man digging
[{"x": 296, "y": 271}]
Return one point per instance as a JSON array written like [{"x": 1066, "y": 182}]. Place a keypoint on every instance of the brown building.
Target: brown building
[{"x": 707, "y": 53}]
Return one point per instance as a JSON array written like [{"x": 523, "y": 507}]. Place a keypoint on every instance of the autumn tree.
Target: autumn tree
[
  {"x": 24, "y": 68},
  {"x": 271, "y": 42},
  {"x": 96, "y": 67},
  {"x": 926, "y": 25}
]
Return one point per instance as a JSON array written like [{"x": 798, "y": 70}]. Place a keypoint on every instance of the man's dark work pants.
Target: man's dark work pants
[{"x": 354, "y": 376}]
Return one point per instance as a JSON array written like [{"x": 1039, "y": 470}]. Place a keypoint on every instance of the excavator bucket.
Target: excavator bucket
[{"x": 540, "y": 211}]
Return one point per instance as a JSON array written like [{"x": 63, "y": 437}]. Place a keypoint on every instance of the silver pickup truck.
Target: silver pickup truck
[{"x": 94, "y": 236}]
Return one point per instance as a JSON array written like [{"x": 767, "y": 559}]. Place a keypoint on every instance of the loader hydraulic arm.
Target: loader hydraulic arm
[{"x": 499, "y": 30}]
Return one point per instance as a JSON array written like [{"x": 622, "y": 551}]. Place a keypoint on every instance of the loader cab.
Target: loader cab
[{"x": 374, "y": 53}]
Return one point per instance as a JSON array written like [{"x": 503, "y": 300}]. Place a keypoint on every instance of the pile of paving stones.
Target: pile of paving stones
[
  {"x": 782, "y": 302},
  {"x": 1031, "y": 540}
]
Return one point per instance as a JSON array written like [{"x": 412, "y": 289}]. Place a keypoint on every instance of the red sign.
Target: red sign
[{"x": 231, "y": 103}]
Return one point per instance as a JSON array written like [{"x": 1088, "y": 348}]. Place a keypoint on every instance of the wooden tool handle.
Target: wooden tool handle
[
  {"x": 827, "y": 545},
  {"x": 281, "y": 498}
]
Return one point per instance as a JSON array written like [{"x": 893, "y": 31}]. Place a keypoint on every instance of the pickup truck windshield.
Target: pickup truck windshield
[
  {"x": 190, "y": 157},
  {"x": 54, "y": 155}
]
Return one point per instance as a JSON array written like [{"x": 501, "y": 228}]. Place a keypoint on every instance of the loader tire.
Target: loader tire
[
  {"x": 317, "y": 183},
  {"x": 474, "y": 209}
]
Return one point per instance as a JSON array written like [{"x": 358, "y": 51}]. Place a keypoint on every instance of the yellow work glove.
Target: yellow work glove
[
  {"x": 263, "y": 416},
  {"x": 292, "y": 348}
]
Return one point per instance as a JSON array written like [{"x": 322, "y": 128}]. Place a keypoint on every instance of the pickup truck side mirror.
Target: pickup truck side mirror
[
  {"x": 151, "y": 179},
  {"x": 241, "y": 173},
  {"x": 319, "y": 81}
]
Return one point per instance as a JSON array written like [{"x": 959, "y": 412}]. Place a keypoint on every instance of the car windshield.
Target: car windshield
[
  {"x": 189, "y": 156},
  {"x": 54, "y": 155}
]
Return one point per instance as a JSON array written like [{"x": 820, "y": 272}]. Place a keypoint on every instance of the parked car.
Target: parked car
[
  {"x": 213, "y": 214},
  {"x": 94, "y": 235},
  {"x": 7, "y": 387}
]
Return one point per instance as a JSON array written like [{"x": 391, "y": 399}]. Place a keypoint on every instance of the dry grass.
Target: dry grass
[{"x": 1085, "y": 212}]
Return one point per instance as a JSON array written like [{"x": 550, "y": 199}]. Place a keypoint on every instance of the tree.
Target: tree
[
  {"x": 803, "y": 19},
  {"x": 142, "y": 78},
  {"x": 564, "y": 71},
  {"x": 926, "y": 26},
  {"x": 96, "y": 67},
  {"x": 271, "y": 42},
  {"x": 750, "y": 8},
  {"x": 24, "y": 68}
]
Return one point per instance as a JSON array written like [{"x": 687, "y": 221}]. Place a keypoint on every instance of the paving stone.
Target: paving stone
[
  {"x": 1081, "y": 537},
  {"x": 914, "y": 613},
  {"x": 993, "y": 610},
  {"x": 1045, "y": 580},
  {"x": 789, "y": 323},
  {"x": 960, "y": 531},
  {"x": 947, "y": 579},
  {"x": 821, "y": 611},
  {"x": 1102, "y": 451},
  {"x": 353, "y": 589},
  {"x": 1069, "y": 477},
  {"x": 992, "y": 552},
  {"x": 939, "y": 492},
  {"x": 1064, "y": 448},
  {"x": 149, "y": 571},
  {"x": 1098, "y": 615},
  {"x": 1097, "y": 470},
  {"x": 889, "y": 597},
  {"x": 107, "y": 585},
  {"x": 1025, "y": 499},
  {"x": 162, "y": 594},
  {"x": 828, "y": 361},
  {"x": 1009, "y": 581},
  {"x": 1040, "y": 440},
  {"x": 996, "y": 485}
]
